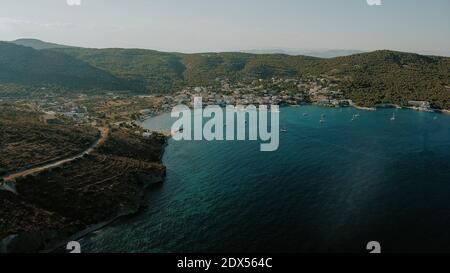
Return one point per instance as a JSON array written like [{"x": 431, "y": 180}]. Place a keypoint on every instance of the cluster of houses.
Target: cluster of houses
[
  {"x": 276, "y": 91},
  {"x": 55, "y": 110},
  {"x": 423, "y": 106},
  {"x": 321, "y": 90}
]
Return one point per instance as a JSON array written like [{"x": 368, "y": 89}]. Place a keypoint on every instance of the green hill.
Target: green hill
[
  {"x": 393, "y": 77},
  {"x": 165, "y": 72},
  {"x": 367, "y": 78},
  {"x": 38, "y": 44},
  {"x": 148, "y": 70},
  {"x": 27, "y": 66}
]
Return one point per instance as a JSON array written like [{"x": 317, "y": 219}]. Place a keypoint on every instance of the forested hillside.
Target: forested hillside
[
  {"x": 367, "y": 78},
  {"x": 25, "y": 65}
]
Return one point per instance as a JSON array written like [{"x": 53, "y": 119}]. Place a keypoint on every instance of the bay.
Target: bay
[{"x": 330, "y": 187}]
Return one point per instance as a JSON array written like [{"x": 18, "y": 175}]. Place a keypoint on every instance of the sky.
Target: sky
[{"x": 232, "y": 25}]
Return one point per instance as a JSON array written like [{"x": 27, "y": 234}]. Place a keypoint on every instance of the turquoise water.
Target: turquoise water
[{"x": 330, "y": 187}]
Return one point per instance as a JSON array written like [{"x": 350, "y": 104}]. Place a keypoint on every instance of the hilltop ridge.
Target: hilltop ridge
[
  {"x": 38, "y": 44},
  {"x": 367, "y": 78}
]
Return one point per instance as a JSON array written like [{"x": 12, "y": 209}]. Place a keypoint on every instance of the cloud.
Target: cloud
[
  {"x": 16, "y": 24},
  {"x": 374, "y": 2},
  {"x": 73, "y": 2},
  {"x": 12, "y": 21},
  {"x": 7, "y": 23}
]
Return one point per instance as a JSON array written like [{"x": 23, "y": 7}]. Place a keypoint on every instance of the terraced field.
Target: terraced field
[
  {"x": 58, "y": 202},
  {"x": 27, "y": 145},
  {"x": 36, "y": 225},
  {"x": 92, "y": 189}
]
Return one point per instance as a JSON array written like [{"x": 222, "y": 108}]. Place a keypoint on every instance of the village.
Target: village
[
  {"x": 128, "y": 110},
  {"x": 276, "y": 91}
]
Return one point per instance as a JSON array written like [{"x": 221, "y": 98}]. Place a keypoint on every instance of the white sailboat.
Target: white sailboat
[{"x": 393, "y": 117}]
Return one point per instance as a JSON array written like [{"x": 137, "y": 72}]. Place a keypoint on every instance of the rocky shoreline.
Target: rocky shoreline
[
  {"x": 355, "y": 106},
  {"x": 61, "y": 245},
  {"x": 71, "y": 201}
]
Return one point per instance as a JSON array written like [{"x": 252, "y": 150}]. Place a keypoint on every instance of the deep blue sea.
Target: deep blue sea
[{"x": 330, "y": 187}]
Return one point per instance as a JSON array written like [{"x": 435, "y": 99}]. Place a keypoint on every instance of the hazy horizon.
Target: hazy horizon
[
  {"x": 194, "y": 26},
  {"x": 319, "y": 52}
]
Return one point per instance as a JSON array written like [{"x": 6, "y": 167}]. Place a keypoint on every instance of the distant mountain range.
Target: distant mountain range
[
  {"x": 38, "y": 44},
  {"x": 319, "y": 53},
  {"x": 332, "y": 53},
  {"x": 325, "y": 53},
  {"x": 368, "y": 78}
]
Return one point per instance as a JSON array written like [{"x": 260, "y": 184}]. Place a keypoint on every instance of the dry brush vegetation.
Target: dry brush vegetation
[{"x": 57, "y": 202}]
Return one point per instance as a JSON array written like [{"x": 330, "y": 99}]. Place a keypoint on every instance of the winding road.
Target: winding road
[{"x": 104, "y": 132}]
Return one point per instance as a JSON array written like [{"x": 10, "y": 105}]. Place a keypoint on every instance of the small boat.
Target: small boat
[
  {"x": 305, "y": 114},
  {"x": 284, "y": 130},
  {"x": 393, "y": 117}
]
